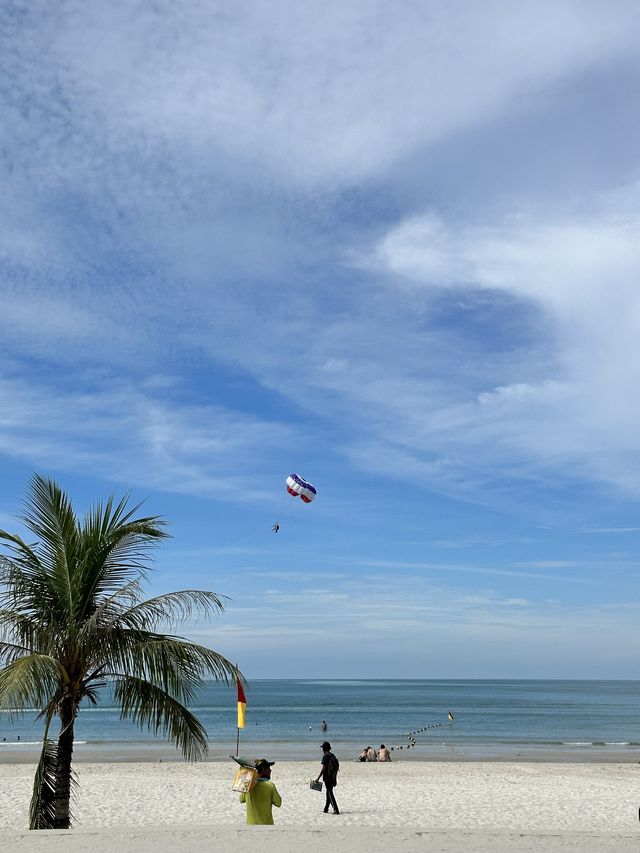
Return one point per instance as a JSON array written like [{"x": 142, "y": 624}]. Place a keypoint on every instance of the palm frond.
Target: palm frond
[
  {"x": 214, "y": 664},
  {"x": 104, "y": 518},
  {"x": 120, "y": 558},
  {"x": 29, "y": 681},
  {"x": 153, "y": 708},
  {"x": 24, "y": 580},
  {"x": 176, "y": 665},
  {"x": 115, "y": 548},
  {"x": 28, "y": 631},
  {"x": 171, "y": 609},
  {"x": 14, "y": 622},
  {"x": 126, "y": 633},
  {"x": 49, "y": 514},
  {"x": 108, "y": 610},
  {"x": 10, "y": 652},
  {"x": 17, "y": 547},
  {"x": 42, "y": 811}
]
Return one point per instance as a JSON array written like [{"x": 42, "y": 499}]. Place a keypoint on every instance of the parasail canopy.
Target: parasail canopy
[{"x": 299, "y": 488}]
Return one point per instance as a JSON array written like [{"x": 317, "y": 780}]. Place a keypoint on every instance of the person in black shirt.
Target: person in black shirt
[{"x": 329, "y": 772}]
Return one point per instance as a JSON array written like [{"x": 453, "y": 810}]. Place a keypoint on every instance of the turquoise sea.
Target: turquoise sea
[{"x": 596, "y": 720}]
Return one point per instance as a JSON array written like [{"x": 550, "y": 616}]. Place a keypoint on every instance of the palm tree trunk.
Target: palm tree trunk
[{"x": 68, "y": 711}]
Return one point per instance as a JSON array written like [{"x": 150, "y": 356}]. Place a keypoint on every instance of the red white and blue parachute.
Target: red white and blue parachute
[{"x": 298, "y": 487}]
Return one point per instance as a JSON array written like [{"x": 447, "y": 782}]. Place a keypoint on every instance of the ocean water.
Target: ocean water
[{"x": 491, "y": 719}]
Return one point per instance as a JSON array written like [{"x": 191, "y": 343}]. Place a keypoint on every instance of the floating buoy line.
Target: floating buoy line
[{"x": 411, "y": 736}]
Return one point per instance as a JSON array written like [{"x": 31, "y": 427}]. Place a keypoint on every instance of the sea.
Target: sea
[{"x": 418, "y": 719}]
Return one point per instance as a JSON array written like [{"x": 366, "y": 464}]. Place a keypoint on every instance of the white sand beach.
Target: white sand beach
[{"x": 502, "y": 806}]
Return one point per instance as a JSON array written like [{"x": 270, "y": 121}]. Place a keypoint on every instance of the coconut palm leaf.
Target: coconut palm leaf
[
  {"x": 42, "y": 811},
  {"x": 118, "y": 557},
  {"x": 28, "y": 682},
  {"x": 171, "y": 609},
  {"x": 19, "y": 549},
  {"x": 49, "y": 515},
  {"x": 174, "y": 663},
  {"x": 153, "y": 708},
  {"x": 11, "y": 651},
  {"x": 108, "y": 610},
  {"x": 26, "y": 631}
]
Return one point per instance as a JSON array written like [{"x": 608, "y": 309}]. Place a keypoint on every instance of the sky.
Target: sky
[{"x": 394, "y": 248}]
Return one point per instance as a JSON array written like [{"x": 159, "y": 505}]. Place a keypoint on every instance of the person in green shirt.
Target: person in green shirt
[{"x": 263, "y": 796}]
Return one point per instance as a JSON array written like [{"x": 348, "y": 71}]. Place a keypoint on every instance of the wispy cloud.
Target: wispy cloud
[
  {"x": 352, "y": 618},
  {"x": 479, "y": 570},
  {"x": 572, "y": 408},
  {"x": 548, "y": 564},
  {"x": 292, "y": 90},
  {"x": 613, "y": 530},
  {"x": 125, "y": 433}
]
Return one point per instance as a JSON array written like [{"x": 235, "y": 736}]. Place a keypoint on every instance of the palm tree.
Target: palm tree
[{"x": 72, "y": 619}]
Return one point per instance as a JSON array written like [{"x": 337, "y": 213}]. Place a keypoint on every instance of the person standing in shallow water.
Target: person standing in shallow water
[
  {"x": 329, "y": 773},
  {"x": 263, "y": 796}
]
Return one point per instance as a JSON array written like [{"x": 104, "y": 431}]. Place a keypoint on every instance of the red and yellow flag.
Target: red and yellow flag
[{"x": 242, "y": 704}]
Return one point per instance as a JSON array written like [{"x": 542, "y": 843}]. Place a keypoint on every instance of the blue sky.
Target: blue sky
[{"x": 391, "y": 247}]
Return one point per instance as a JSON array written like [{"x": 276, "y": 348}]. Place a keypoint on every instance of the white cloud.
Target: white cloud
[
  {"x": 615, "y": 530},
  {"x": 558, "y": 264},
  {"x": 545, "y": 392},
  {"x": 481, "y": 570},
  {"x": 578, "y": 281},
  {"x": 412, "y": 625},
  {"x": 548, "y": 564},
  {"x": 129, "y": 435},
  {"x": 318, "y": 94}
]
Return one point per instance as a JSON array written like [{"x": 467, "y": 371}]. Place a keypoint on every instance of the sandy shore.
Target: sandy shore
[
  {"x": 280, "y": 839},
  {"x": 465, "y": 803}
]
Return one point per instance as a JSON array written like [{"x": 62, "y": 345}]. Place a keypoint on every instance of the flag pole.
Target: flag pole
[
  {"x": 242, "y": 704},
  {"x": 238, "y": 719}
]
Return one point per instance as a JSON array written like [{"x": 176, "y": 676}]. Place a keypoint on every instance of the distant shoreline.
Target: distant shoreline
[{"x": 298, "y": 752}]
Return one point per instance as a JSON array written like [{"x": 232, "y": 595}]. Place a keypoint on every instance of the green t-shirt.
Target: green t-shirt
[{"x": 260, "y": 800}]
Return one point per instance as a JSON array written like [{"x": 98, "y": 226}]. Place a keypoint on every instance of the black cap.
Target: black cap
[
  {"x": 326, "y": 745},
  {"x": 262, "y": 764}
]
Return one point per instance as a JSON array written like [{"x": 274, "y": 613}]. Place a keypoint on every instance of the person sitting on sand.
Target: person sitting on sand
[
  {"x": 363, "y": 754},
  {"x": 372, "y": 755},
  {"x": 263, "y": 796},
  {"x": 384, "y": 754}
]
